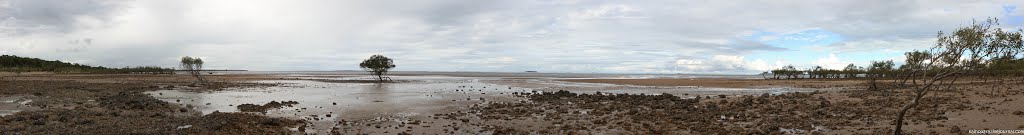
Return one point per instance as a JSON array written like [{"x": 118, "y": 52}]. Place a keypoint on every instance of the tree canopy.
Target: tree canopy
[
  {"x": 377, "y": 65},
  {"x": 194, "y": 66}
]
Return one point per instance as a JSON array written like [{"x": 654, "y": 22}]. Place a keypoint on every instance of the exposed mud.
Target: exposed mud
[
  {"x": 98, "y": 107},
  {"x": 840, "y": 112},
  {"x": 263, "y": 108},
  {"x": 136, "y": 113}
]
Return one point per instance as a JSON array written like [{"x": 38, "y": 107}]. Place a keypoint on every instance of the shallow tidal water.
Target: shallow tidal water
[{"x": 326, "y": 104}]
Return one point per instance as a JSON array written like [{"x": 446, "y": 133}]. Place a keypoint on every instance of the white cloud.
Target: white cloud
[
  {"x": 831, "y": 62},
  {"x": 720, "y": 64},
  {"x": 876, "y": 45}
]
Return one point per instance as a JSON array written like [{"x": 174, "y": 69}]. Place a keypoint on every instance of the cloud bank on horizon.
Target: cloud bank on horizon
[{"x": 609, "y": 36}]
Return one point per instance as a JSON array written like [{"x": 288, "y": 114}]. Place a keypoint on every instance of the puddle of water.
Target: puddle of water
[
  {"x": 13, "y": 104},
  {"x": 555, "y": 84},
  {"x": 579, "y": 87}
]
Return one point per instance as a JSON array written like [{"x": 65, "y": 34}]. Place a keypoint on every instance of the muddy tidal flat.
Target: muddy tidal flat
[{"x": 485, "y": 103}]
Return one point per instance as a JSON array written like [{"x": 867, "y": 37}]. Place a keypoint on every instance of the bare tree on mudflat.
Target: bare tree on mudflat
[{"x": 194, "y": 67}]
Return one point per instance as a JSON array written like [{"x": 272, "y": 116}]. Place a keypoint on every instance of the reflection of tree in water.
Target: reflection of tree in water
[
  {"x": 378, "y": 92},
  {"x": 377, "y": 87}
]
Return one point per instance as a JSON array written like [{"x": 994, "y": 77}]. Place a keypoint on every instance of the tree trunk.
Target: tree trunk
[
  {"x": 872, "y": 84},
  {"x": 380, "y": 76},
  {"x": 198, "y": 76},
  {"x": 899, "y": 116},
  {"x": 903, "y": 111},
  {"x": 920, "y": 91},
  {"x": 914, "y": 80}
]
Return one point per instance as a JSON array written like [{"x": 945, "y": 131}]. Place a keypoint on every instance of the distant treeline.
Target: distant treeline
[
  {"x": 1006, "y": 66},
  {"x": 881, "y": 69},
  {"x": 11, "y": 63},
  {"x": 1009, "y": 64}
]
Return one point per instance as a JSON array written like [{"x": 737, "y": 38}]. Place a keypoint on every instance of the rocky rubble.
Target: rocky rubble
[
  {"x": 263, "y": 108},
  {"x": 564, "y": 112},
  {"x": 71, "y": 107}
]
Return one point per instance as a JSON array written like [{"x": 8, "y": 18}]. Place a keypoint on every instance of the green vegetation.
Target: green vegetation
[
  {"x": 878, "y": 69},
  {"x": 820, "y": 72},
  {"x": 978, "y": 50},
  {"x": 378, "y": 65},
  {"x": 851, "y": 71},
  {"x": 975, "y": 50},
  {"x": 786, "y": 71},
  {"x": 11, "y": 63},
  {"x": 913, "y": 66},
  {"x": 816, "y": 72}
]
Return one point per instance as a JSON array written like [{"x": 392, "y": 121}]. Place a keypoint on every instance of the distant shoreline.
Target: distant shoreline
[{"x": 215, "y": 71}]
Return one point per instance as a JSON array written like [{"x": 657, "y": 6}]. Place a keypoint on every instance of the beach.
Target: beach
[{"x": 488, "y": 103}]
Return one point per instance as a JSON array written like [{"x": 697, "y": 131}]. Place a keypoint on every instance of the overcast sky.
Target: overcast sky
[{"x": 628, "y": 36}]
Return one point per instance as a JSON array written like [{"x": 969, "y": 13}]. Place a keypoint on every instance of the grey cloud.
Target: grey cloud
[{"x": 27, "y": 16}]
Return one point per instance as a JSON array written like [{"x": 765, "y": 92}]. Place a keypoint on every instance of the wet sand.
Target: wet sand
[
  {"x": 728, "y": 83},
  {"x": 485, "y": 104}
]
